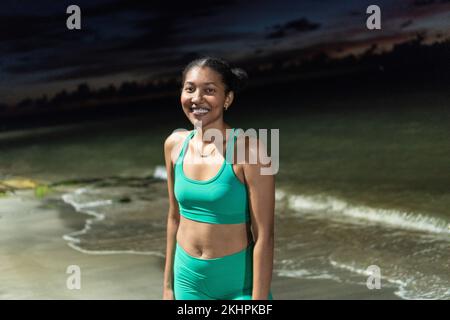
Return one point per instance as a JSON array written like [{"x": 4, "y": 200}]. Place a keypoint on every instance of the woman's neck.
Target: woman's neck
[{"x": 205, "y": 134}]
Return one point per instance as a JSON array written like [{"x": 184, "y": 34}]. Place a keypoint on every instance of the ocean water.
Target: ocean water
[{"x": 354, "y": 189}]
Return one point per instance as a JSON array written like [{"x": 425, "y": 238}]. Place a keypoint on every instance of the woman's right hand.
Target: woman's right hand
[{"x": 168, "y": 294}]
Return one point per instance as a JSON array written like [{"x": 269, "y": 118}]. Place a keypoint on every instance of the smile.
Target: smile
[{"x": 200, "y": 110}]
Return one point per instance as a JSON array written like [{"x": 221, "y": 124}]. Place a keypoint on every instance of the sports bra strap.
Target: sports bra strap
[
  {"x": 230, "y": 147},
  {"x": 185, "y": 145}
]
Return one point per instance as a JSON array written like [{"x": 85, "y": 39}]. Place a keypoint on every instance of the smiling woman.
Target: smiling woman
[
  {"x": 212, "y": 79},
  {"x": 221, "y": 214}
]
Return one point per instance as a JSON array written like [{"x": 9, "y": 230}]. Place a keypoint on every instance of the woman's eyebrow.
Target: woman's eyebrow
[{"x": 189, "y": 82}]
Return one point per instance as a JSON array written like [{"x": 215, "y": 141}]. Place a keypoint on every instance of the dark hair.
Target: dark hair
[{"x": 235, "y": 79}]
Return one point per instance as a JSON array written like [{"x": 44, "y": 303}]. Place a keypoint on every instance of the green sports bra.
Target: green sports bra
[{"x": 222, "y": 199}]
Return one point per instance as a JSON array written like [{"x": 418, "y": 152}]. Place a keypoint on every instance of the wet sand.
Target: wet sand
[{"x": 34, "y": 259}]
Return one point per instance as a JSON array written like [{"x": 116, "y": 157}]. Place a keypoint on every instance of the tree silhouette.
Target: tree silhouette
[{"x": 408, "y": 63}]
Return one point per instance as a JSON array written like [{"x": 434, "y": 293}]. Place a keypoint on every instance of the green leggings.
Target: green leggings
[{"x": 225, "y": 278}]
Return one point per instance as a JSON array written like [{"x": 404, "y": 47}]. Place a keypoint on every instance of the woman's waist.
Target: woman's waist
[{"x": 213, "y": 240}]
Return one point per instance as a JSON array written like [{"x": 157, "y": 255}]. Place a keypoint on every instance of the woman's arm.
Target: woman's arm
[
  {"x": 173, "y": 220},
  {"x": 261, "y": 189}
]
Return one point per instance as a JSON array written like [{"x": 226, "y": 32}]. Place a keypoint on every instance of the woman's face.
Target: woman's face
[{"x": 203, "y": 95}]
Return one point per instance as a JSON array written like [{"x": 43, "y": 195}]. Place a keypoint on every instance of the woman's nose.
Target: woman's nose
[{"x": 196, "y": 97}]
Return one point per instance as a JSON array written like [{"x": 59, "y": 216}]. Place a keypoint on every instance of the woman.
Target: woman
[{"x": 220, "y": 227}]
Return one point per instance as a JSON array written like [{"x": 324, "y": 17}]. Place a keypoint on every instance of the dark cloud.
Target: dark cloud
[
  {"x": 100, "y": 70},
  {"x": 130, "y": 55},
  {"x": 423, "y": 2},
  {"x": 150, "y": 40},
  {"x": 163, "y": 7},
  {"x": 150, "y": 37},
  {"x": 354, "y": 13},
  {"x": 55, "y": 62},
  {"x": 405, "y": 24},
  {"x": 25, "y": 33},
  {"x": 420, "y": 3},
  {"x": 157, "y": 56},
  {"x": 147, "y": 31},
  {"x": 169, "y": 62},
  {"x": 295, "y": 26}
]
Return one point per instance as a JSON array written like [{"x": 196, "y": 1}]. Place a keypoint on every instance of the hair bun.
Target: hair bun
[
  {"x": 234, "y": 79},
  {"x": 241, "y": 78}
]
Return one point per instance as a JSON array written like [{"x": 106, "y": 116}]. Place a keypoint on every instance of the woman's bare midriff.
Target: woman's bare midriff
[{"x": 207, "y": 240}]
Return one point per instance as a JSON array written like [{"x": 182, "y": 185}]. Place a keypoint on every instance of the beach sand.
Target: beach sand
[{"x": 34, "y": 259}]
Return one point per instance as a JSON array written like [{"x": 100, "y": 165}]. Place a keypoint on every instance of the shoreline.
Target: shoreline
[{"x": 35, "y": 259}]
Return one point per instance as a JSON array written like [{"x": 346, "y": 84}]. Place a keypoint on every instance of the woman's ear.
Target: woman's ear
[{"x": 228, "y": 100}]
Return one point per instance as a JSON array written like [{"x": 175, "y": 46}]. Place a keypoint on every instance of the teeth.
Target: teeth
[{"x": 198, "y": 110}]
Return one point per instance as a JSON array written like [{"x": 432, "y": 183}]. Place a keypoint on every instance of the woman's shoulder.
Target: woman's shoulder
[
  {"x": 176, "y": 136},
  {"x": 175, "y": 140}
]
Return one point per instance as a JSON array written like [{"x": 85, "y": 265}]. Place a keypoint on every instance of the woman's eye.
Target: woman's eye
[
  {"x": 210, "y": 90},
  {"x": 188, "y": 89}
]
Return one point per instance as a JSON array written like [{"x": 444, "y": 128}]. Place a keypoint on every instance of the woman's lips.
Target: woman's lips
[{"x": 199, "y": 111}]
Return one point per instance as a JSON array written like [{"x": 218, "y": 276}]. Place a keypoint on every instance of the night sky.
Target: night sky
[{"x": 137, "y": 40}]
